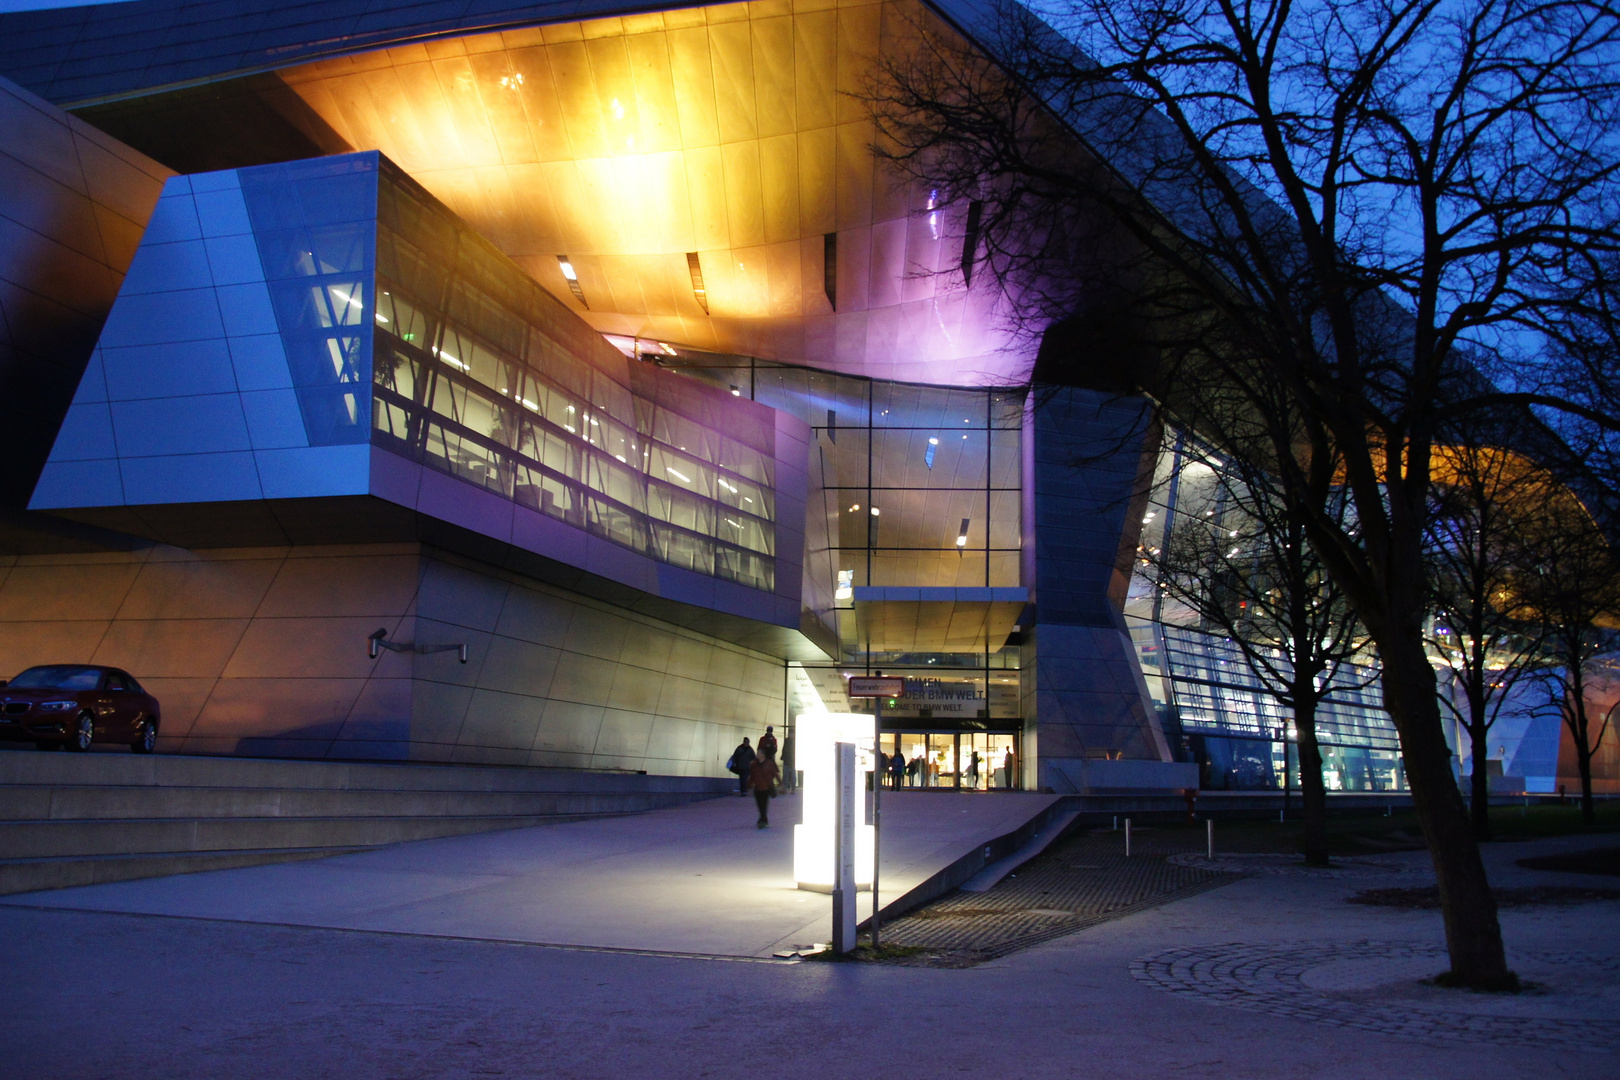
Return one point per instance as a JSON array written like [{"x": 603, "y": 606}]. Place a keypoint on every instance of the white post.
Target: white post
[
  {"x": 879, "y": 776},
  {"x": 1127, "y": 838},
  {"x": 1209, "y": 835},
  {"x": 844, "y": 849}
]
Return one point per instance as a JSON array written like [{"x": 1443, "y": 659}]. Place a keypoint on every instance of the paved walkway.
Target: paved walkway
[
  {"x": 1271, "y": 977},
  {"x": 695, "y": 880}
]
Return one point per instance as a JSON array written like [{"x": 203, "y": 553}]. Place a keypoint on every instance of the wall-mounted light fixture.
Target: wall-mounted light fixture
[
  {"x": 961, "y": 536},
  {"x": 829, "y": 268},
  {"x": 379, "y": 640}
]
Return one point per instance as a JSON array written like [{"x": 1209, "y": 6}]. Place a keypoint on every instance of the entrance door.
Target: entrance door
[{"x": 947, "y": 760}]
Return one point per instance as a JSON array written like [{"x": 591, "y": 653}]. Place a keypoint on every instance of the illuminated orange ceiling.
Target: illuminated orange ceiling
[{"x": 730, "y": 131}]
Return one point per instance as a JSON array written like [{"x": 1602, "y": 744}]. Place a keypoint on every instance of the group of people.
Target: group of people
[
  {"x": 923, "y": 770},
  {"x": 757, "y": 772}
]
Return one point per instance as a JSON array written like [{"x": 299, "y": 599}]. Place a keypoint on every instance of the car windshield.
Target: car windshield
[{"x": 57, "y": 678}]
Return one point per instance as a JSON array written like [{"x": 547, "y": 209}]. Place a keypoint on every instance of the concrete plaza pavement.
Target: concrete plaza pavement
[
  {"x": 100, "y": 994},
  {"x": 698, "y": 879}
]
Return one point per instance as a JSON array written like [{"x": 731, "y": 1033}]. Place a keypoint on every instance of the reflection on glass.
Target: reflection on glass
[{"x": 480, "y": 373}]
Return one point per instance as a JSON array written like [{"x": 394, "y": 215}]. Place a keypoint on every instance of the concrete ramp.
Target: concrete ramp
[{"x": 698, "y": 879}]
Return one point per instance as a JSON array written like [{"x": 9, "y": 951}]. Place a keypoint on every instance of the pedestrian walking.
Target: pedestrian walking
[
  {"x": 762, "y": 776},
  {"x": 767, "y": 743},
  {"x": 973, "y": 770},
  {"x": 742, "y": 759}
]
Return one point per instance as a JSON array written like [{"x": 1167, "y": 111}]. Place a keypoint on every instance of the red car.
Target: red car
[{"x": 73, "y": 705}]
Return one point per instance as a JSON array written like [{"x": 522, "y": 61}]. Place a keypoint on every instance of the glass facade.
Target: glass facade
[
  {"x": 1214, "y": 709},
  {"x": 312, "y": 223},
  {"x": 481, "y": 374},
  {"x": 920, "y": 497}
]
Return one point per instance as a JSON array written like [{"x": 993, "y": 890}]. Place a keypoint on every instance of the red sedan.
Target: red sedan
[{"x": 73, "y": 705}]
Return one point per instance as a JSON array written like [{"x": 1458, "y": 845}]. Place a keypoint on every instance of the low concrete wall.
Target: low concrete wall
[{"x": 1085, "y": 776}]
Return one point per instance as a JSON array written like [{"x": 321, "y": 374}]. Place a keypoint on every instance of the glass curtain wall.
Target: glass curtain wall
[
  {"x": 920, "y": 488},
  {"x": 483, "y": 375},
  {"x": 1209, "y": 701}
]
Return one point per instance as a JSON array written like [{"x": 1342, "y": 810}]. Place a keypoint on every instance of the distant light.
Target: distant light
[
  {"x": 855, "y": 507},
  {"x": 567, "y": 269},
  {"x": 734, "y": 391},
  {"x": 531, "y": 406},
  {"x": 933, "y": 442},
  {"x": 382, "y": 319},
  {"x": 669, "y": 350},
  {"x": 682, "y": 477},
  {"x": 875, "y": 511},
  {"x": 961, "y": 541}
]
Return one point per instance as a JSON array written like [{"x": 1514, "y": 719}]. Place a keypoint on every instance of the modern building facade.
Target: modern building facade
[{"x": 592, "y": 343}]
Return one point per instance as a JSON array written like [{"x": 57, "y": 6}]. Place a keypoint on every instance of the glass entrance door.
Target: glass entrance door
[{"x": 954, "y": 761}]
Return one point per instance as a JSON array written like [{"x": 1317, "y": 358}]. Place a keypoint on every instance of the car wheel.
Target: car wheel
[
  {"x": 145, "y": 738},
  {"x": 83, "y": 734}
]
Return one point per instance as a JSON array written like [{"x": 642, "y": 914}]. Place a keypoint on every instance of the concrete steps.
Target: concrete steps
[{"x": 81, "y": 819}]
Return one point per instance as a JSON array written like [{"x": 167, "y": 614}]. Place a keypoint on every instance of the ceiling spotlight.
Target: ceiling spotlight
[
  {"x": 695, "y": 268},
  {"x": 961, "y": 536},
  {"x": 572, "y": 277}
]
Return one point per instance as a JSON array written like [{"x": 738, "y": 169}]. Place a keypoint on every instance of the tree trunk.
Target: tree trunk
[
  {"x": 1583, "y": 762},
  {"x": 1312, "y": 789},
  {"x": 1582, "y": 737},
  {"x": 1480, "y": 786},
  {"x": 1473, "y": 934}
]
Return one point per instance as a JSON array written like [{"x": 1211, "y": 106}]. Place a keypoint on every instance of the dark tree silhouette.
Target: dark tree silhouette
[
  {"x": 1237, "y": 558},
  {"x": 1307, "y": 231},
  {"x": 1488, "y": 502},
  {"x": 1574, "y": 588}
]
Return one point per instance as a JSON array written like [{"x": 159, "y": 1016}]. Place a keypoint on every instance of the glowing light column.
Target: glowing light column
[{"x": 814, "y": 739}]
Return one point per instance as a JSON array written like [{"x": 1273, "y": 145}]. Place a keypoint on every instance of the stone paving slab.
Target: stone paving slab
[
  {"x": 698, "y": 879},
  {"x": 243, "y": 1001}
]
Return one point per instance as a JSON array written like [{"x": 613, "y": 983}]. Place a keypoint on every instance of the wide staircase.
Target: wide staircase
[{"x": 80, "y": 819}]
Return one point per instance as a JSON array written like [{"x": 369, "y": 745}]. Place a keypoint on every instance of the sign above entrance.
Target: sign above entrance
[{"x": 876, "y": 686}]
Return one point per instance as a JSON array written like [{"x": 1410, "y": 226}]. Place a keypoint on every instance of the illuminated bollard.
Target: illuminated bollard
[{"x": 813, "y": 839}]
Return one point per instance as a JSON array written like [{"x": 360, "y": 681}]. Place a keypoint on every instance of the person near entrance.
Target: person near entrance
[
  {"x": 762, "y": 776},
  {"x": 767, "y": 743},
  {"x": 897, "y": 769},
  {"x": 742, "y": 759},
  {"x": 973, "y": 770}
]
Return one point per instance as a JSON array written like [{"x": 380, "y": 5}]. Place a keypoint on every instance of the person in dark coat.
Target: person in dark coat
[
  {"x": 897, "y": 769},
  {"x": 762, "y": 777},
  {"x": 767, "y": 743},
  {"x": 742, "y": 759}
]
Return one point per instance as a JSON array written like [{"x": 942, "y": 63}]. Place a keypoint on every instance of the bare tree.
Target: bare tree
[
  {"x": 1237, "y": 557},
  {"x": 1575, "y": 590},
  {"x": 1353, "y": 207},
  {"x": 1487, "y": 503}
]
